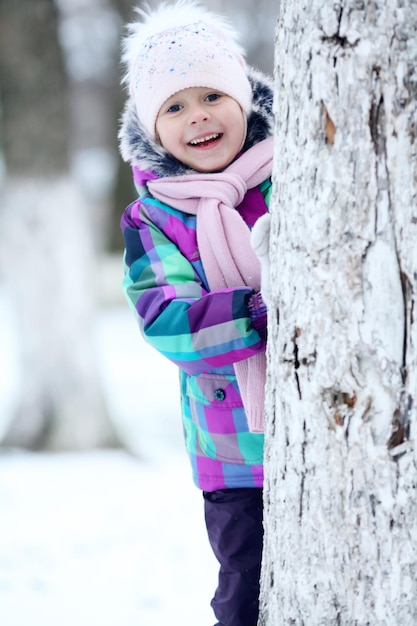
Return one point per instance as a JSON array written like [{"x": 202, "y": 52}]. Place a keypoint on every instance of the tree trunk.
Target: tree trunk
[
  {"x": 341, "y": 475},
  {"x": 46, "y": 249}
]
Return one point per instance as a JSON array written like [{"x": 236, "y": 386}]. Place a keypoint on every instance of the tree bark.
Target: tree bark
[{"x": 341, "y": 470}]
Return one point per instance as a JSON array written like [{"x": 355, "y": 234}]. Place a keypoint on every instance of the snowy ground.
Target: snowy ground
[{"x": 105, "y": 538}]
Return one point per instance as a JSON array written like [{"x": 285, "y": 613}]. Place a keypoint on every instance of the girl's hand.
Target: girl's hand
[{"x": 260, "y": 244}]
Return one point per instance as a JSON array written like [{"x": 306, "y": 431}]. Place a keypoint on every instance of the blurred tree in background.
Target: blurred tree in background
[{"x": 47, "y": 251}]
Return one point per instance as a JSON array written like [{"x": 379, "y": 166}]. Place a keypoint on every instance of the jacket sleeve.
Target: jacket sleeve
[{"x": 196, "y": 329}]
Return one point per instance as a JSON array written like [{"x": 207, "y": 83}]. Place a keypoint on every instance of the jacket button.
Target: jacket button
[{"x": 219, "y": 394}]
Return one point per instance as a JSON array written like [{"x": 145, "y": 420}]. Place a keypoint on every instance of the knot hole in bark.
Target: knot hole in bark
[
  {"x": 329, "y": 127},
  {"x": 342, "y": 404},
  {"x": 342, "y": 399},
  {"x": 297, "y": 333},
  {"x": 400, "y": 425},
  {"x": 377, "y": 116}
]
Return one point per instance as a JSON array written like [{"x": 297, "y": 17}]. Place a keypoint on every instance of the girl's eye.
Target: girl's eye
[
  {"x": 212, "y": 97},
  {"x": 174, "y": 108}
]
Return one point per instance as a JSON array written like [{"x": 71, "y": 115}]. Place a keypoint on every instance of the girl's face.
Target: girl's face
[{"x": 202, "y": 128}]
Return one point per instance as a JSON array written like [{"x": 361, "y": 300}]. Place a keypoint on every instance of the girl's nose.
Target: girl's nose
[{"x": 198, "y": 114}]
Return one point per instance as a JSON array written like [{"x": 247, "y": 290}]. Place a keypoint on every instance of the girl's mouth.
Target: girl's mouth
[{"x": 203, "y": 142}]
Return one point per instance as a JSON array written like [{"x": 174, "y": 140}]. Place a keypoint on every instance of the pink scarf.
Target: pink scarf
[{"x": 224, "y": 244}]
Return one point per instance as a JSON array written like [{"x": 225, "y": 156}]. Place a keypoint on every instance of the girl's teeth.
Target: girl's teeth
[{"x": 195, "y": 142}]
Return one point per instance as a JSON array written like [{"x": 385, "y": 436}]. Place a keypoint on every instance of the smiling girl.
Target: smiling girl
[{"x": 197, "y": 131}]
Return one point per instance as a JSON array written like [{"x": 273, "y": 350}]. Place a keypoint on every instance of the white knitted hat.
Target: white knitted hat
[{"x": 178, "y": 46}]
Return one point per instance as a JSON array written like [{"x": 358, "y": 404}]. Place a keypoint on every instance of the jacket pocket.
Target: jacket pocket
[{"x": 217, "y": 411}]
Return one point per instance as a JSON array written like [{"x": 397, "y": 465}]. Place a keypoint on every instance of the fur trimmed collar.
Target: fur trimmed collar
[{"x": 142, "y": 152}]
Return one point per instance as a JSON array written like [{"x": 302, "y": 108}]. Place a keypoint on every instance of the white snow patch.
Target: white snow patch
[{"x": 102, "y": 539}]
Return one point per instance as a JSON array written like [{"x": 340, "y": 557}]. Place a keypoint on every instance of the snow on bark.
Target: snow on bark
[{"x": 341, "y": 475}]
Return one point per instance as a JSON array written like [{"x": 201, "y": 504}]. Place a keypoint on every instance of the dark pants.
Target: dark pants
[{"x": 234, "y": 520}]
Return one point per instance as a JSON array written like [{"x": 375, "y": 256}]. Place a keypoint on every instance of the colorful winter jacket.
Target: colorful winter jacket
[{"x": 204, "y": 332}]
